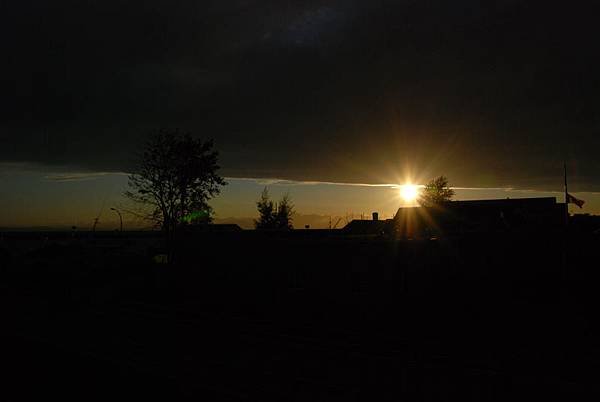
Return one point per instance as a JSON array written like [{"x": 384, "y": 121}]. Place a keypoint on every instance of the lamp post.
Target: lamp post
[{"x": 120, "y": 217}]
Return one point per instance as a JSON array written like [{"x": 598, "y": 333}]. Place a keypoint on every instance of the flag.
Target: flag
[{"x": 573, "y": 200}]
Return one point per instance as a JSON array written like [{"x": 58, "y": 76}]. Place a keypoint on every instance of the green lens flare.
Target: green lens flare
[{"x": 194, "y": 215}]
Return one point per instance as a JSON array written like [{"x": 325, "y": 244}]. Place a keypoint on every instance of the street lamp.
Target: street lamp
[{"x": 120, "y": 217}]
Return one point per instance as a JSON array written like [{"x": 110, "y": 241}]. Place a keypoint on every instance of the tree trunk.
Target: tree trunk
[{"x": 169, "y": 233}]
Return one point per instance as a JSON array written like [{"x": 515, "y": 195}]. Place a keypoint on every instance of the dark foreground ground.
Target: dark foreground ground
[{"x": 257, "y": 317}]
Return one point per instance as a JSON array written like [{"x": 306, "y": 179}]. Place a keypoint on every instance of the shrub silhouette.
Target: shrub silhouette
[{"x": 436, "y": 192}]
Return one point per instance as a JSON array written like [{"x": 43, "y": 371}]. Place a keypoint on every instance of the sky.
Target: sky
[
  {"x": 493, "y": 94},
  {"x": 59, "y": 200}
]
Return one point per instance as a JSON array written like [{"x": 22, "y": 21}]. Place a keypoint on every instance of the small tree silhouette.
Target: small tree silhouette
[
  {"x": 436, "y": 192},
  {"x": 266, "y": 210},
  {"x": 285, "y": 210},
  {"x": 272, "y": 216}
]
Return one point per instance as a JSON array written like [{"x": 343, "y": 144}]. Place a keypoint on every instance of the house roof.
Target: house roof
[
  {"x": 492, "y": 204},
  {"x": 366, "y": 227}
]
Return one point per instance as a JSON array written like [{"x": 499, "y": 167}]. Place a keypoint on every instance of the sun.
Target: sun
[{"x": 409, "y": 192}]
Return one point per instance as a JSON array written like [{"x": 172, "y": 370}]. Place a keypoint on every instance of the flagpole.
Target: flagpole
[
  {"x": 566, "y": 196},
  {"x": 563, "y": 271}
]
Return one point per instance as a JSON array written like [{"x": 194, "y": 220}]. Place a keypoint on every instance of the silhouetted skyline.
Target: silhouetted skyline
[{"x": 63, "y": 199}]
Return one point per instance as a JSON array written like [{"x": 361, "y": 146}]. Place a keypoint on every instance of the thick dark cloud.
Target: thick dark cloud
[{"x": 490, "y": 93}]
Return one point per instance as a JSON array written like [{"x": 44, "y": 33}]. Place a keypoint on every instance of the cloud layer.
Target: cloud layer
[{"x": 492, "y": 94}]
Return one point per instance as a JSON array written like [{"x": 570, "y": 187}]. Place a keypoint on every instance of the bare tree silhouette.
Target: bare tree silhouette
[{"x": 175, "y": 178}]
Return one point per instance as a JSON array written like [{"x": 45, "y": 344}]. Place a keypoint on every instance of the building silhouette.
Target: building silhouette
[{"x": 467, "y": 217}]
